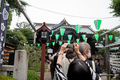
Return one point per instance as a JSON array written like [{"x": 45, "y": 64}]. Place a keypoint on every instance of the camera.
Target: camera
[{"x": 70, "y": 46}]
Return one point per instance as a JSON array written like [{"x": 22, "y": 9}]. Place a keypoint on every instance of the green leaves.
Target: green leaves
[
  {"x": 14, "y": 6},
  {"x": 32, "y": 75},
  {"x": 28, "y": 34},
  {"x": 115, "y": 6},
  {"x": 15, "y": 37}
]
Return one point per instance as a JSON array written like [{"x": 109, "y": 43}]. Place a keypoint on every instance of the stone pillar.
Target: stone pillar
[
  {"x": 34, "y": 42},
  {"x": 20, "y": 65}
]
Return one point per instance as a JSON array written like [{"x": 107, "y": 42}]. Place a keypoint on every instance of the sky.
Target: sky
[{"x": 89, "y": 10}]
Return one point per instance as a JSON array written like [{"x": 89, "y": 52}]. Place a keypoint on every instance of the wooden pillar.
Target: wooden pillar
[
  {"x": 42, "y": 61},
  {"x": 107, "y": 58}
]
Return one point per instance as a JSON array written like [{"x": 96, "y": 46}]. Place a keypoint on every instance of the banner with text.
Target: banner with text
[{"x": 3, "y": 28}]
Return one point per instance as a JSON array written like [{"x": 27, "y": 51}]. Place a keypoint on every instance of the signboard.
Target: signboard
[
  {"x": 50, "y": 51},
  {"x": 3, "y": 27}
]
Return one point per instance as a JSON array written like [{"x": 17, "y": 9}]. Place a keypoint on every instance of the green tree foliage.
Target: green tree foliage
[
  {"x": 15, "y": 37},
  {"x": 115, "y": 5},
  {"x": 23, "y": 25},
  {"x": 14, "y": 6},
  {"x": 32, "y": 75},
  {"x": 34, "y": 62},
  {"x": 102, "y": 41},
  {"x": 28, "y": 34},
  {"x": 102, "y": 51},
  {"x": 3, "y": 77},
  {"x": 9, "y": 18}
]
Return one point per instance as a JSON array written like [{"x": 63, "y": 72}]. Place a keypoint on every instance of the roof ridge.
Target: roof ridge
[{"x": 61, "y": 23}]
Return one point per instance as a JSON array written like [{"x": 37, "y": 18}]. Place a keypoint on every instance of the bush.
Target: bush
[
  {"x": 3, "y": 77},
  {"x": 100, "y": 56},
  {"x": 34, "y": 62},
  {"x": 32, "y": 75}
]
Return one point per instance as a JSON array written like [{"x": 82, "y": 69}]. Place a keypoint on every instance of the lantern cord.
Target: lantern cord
[{"x": 71, "y": 15}]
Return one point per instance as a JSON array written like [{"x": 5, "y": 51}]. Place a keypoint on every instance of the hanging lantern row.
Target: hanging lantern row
[
  {"x": 62, "y": 31},
  {"x": 97, "y": 24},
  {"x": 116, "y": 39},
  {"x": 68, "y": 41},
  {"x": 78, "y": 28},
  {"x": 32, "y": 45},
  {"x": 77, "y": 40},
  {"x": 69, "y": 37},
  {"x": 97, "y": 37},
  {"x": 110, "y": 37},
  {"x": 60, "y": 42},
  {"x": 84, "y": 37},
  {"x": 51, "y": 35},
  {"x": 56, "y": 36},
  {"x": 53, "y": 43},
  {"x": 47, "y": 44},
  {"x": 85, "y": 40}
]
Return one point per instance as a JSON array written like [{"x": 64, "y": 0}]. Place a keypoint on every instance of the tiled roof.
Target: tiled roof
[{"x": 64, "y": 24}]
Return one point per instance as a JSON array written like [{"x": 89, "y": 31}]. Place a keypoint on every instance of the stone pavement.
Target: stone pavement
[
  {"x": 104, "y": 78},
  {"x": 47, "y": 76}
]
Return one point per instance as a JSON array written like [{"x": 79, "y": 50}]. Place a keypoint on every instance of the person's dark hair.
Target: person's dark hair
[
  {"x": 55, "y": 58},
  {"x": 70, "y": 53},
  {"x": 78, "y": 70}
]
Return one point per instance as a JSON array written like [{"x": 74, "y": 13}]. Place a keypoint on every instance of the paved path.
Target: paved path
[
  {"x": 47, "y": 76},
  {"x": 104, "y": 78}
]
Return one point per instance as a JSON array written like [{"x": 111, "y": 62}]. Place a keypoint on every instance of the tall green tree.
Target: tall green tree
[
  {"x": 23, "y": 25},
  {"x": 15, "y": 37},
  {"x": 9, "y": 18},
  {"x": 14, "y": 6},
  {"x": 28, "y": 34},
  {"x": 115, "y": 6}
]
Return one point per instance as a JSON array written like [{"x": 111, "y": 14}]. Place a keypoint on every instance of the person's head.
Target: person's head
[
  {"x": 96, "y": 56},
  {"x": 78, "y": 70},
  {"x": 85, "y": 49},
  {"x": 70, "y": 53}
]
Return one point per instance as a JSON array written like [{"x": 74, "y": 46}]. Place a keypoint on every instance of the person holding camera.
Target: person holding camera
[
  {"x": 78, "y": 69},
  {"x": 85, "y": 50}
]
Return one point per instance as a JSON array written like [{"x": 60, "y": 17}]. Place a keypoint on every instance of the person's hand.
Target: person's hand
[
  {"x": 63, "y": 48},
  {"x": 76, "y": 47}
]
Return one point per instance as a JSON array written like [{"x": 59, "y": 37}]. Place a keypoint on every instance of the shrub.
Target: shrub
[
  {"x": 3, "y": 77},
  {"x": 32, "y": 75},
  {"x": 34, "y": 62},
  {"x": 100, "y": 56}
]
